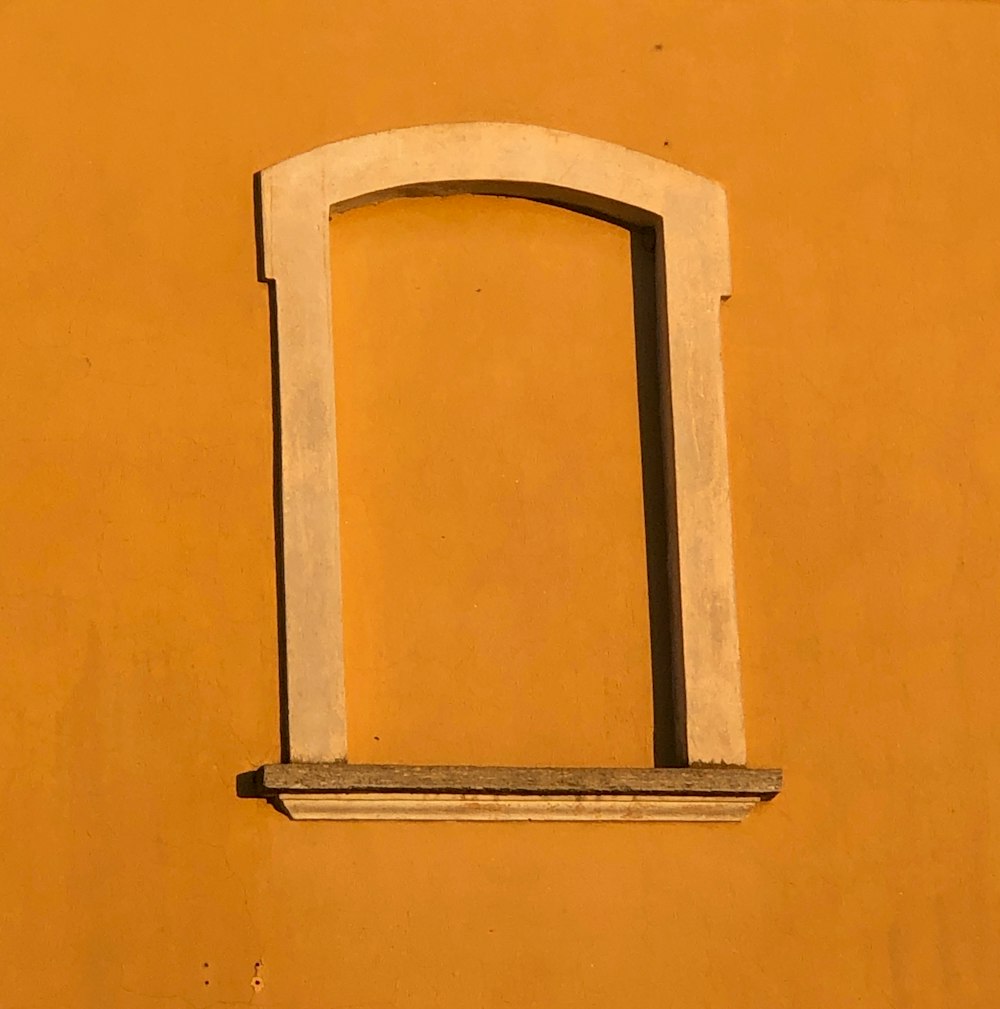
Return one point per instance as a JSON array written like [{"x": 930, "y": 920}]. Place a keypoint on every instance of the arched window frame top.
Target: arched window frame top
[{"x": 689, "y": 215}]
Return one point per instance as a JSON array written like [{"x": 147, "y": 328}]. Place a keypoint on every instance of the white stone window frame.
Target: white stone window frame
[{"x": 688, "y": 214}]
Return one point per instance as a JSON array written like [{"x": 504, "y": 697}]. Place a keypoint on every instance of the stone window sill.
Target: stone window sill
[{"x": 341, "y": 791}]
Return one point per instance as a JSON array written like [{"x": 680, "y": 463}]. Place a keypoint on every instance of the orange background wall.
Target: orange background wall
[
  {"x": 494, "y": 563},
  {"x": 858, "y": 146}
]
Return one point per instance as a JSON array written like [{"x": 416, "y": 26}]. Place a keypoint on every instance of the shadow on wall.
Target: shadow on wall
[
  {"x": 658, "y": 500},
  {"x": 279, "y": 540}
]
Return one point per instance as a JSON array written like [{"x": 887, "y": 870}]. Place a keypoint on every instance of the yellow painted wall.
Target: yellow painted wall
[{"x": 858, "y": 144}]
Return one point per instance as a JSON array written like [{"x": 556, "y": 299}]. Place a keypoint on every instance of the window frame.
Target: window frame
[{"x": 688, "y": 215}]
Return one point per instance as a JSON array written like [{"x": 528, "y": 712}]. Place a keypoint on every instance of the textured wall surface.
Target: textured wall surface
[{"x": 858, "y": 146}]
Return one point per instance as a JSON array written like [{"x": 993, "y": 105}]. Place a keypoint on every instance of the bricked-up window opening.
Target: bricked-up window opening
[{"x": 493, "y": 535}]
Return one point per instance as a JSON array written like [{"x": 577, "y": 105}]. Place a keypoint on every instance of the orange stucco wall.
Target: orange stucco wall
[
  {"x": 858, "y": 146},
  {"x": 494, "y": 564}
]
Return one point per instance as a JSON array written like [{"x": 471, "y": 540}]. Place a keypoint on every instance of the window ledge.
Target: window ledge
[{"x": 340, "y": 791}]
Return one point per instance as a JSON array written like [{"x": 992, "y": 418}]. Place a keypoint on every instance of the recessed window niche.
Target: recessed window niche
[
  {"x": 493, "y": 554},
  {"x": 529, "y": 517}
]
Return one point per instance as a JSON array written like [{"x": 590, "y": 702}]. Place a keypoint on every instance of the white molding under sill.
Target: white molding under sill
[
  {"x": 449, "y": 806},
  {"x": 398, "y": 792}
]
